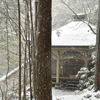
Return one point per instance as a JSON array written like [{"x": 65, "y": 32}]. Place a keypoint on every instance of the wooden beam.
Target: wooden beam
[{"x": 57, "y": 71}]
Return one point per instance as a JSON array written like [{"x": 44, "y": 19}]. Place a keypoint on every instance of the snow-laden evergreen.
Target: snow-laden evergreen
[{"x": 82, "y": 75}]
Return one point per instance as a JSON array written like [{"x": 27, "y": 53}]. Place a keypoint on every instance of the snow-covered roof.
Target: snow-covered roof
[{"x": 76, "y": 33}]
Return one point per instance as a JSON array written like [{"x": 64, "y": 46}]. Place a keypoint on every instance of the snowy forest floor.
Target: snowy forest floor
[
  {"x": 71, "y": 95},
  {"x": 58, "y": 94}
]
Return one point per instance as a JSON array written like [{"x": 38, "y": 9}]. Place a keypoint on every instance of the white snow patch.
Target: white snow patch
[
  {"x": 75, "y": 33},
  {"x": 68, "y": 95},
  {"x": 10, "y": 73}
]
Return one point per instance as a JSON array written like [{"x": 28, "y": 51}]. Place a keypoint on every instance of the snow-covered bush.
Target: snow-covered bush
[
  {"x": 85, "y": 81},
  {"x": 93, "y": 57},
  {"x": 85, "y": 76}
]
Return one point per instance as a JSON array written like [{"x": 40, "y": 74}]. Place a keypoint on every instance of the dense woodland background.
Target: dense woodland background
[
  {"x": 61, "y": 14},
  {"x": 19, "y": 47}
]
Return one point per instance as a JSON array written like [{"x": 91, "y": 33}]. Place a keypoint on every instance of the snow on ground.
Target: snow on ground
[
  {"x": 56, "y": 93},
  {"x": 71, "y": 95}
]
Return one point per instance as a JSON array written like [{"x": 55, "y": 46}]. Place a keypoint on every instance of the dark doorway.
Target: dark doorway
[{"x": 71, "y": 67}]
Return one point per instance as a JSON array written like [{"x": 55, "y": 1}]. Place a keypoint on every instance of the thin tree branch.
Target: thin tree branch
[{"x": 79, "y": 18}]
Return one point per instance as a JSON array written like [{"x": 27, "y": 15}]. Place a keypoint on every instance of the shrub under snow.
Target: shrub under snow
[{"x": 85, "y": 81}]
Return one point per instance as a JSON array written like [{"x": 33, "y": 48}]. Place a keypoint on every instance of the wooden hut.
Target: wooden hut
[{"x": 71, "y": 49}]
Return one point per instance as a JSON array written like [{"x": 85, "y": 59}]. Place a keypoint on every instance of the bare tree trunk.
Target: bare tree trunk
[
  {"x": 97, "y": 72},
  {"x": 19, "y": 28},
  {"x": 6, "y": 92},
  {"x": 35, "y": 83},
  {"x": 44, "y": 50}
]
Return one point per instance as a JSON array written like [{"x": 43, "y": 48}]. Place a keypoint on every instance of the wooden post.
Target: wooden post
[
  {"x": 57, "y": 71},
  {"x": 86, "y": 61}
]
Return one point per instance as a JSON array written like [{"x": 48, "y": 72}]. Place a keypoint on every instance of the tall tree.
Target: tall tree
[
  {"x": 19, "y": 30},
  {"x": 44, "y": 50},
  {"x": 97, "y": 72}
]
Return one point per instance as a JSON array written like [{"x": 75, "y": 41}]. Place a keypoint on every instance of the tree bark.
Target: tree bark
[
  {"x": 19, "y": 30},
  {"x": 97, "y": 71},
  {"x": 44, "y": 50}
]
